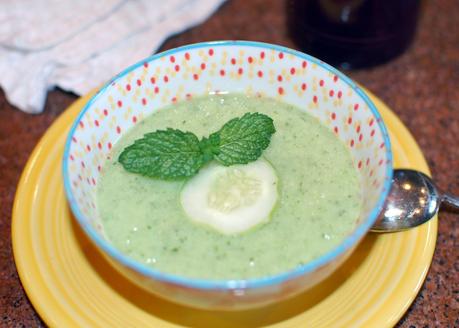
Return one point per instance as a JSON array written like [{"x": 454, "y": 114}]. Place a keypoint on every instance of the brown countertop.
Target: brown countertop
[{"x": 421, "y": 86}]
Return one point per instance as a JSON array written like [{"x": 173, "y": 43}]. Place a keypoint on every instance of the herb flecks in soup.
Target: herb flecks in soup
[{"x": 317, "y": 189}]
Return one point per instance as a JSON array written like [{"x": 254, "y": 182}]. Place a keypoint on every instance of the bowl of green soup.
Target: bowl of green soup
[{"x": 227, "y": 175}]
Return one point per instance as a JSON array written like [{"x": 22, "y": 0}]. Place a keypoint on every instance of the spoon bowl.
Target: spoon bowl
[{"x": 413, "y": 200}]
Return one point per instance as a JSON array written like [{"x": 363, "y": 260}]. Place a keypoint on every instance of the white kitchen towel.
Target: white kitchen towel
[{"x": 79, "y": 45}]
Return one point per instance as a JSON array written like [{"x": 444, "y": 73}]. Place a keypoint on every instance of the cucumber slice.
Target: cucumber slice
[{"x": 231, "y": 199}]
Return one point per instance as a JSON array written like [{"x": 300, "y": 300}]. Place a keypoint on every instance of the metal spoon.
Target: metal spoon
[{"x": 412, "y": 200}]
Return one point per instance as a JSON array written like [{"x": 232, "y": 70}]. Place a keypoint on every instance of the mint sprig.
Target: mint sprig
[{"x": 174, "y": 154}]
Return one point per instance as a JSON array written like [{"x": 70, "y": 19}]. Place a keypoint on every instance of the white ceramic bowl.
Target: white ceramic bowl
[{"x": 227, "y": 66}]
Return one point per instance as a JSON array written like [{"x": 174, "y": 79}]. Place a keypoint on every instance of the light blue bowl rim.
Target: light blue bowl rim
[{"x": 267, "y": 281}]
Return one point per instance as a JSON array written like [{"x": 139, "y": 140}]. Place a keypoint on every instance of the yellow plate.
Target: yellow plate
[{"x": 70, "y": 283}]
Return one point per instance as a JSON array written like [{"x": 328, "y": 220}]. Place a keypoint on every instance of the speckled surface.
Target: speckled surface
[{"x": 421, "y": 86}]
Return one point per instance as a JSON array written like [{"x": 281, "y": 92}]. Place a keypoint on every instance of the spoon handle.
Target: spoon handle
[{"x": 450, "y": 201}]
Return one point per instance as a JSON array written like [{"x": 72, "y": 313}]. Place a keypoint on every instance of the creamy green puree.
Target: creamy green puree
[{"x": 318, "y": 204}]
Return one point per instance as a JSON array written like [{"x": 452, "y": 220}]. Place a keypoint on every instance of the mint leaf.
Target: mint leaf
[
  {"x": 174, "y": 154},
  {"x": 164, "y": 154},
  {"x": 242, "y": 140},
  {"x": 210, "y": 146}
]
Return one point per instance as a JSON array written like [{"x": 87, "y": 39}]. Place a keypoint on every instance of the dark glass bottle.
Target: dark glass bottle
[{"x": 353, "y": 33}]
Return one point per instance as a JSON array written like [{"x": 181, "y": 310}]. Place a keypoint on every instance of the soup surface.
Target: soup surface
[{"x": 318, "y": 201}]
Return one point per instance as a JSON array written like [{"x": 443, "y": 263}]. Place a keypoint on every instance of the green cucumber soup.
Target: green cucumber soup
[{"x": 318, "y": 197}]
